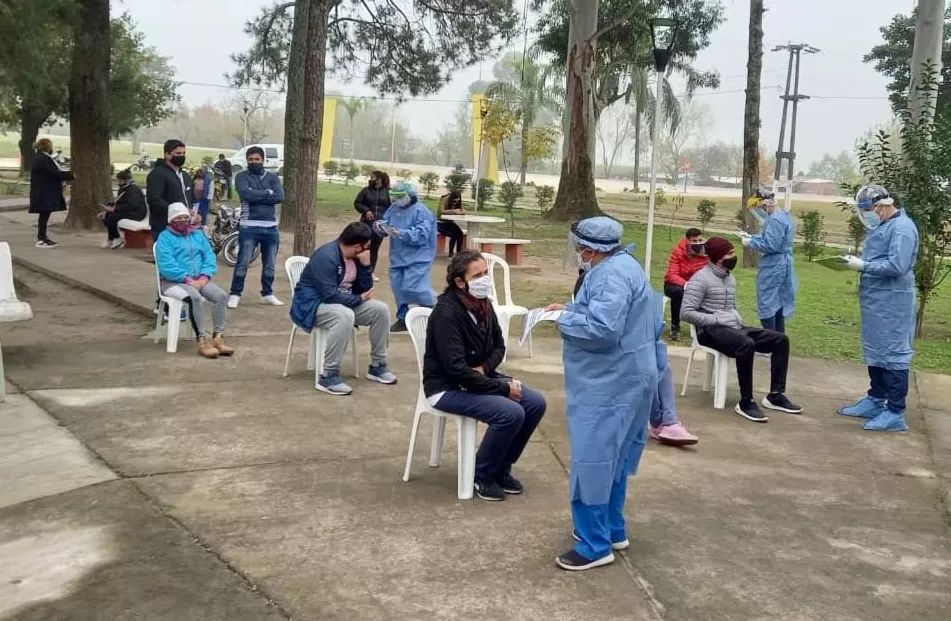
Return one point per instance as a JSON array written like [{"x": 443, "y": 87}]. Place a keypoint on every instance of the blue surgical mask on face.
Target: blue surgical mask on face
[
  {"x": 584, "y": 265},
  {"x": 870, "y": 219}
]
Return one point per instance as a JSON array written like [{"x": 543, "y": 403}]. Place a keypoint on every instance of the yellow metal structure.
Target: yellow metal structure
[{"x": 490, "y": 161}]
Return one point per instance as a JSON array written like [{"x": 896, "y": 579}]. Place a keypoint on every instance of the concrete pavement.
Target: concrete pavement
[{"x": 231, "y": 493}]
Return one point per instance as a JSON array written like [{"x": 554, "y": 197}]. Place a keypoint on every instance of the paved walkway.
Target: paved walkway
[{"x": 170, "y": 487}]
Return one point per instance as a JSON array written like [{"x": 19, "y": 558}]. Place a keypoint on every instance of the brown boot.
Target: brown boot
[
  {"x": 206, "y": 349},
  {"x": 219, "y": 344}
]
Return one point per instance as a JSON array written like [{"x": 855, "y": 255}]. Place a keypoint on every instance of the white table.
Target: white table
[{"x": 473, "y": 224}]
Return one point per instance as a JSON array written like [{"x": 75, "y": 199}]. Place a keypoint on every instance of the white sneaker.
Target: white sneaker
[
  {"x": 233, "y": 301},
  {"x": 271, "y": 300},
  {"x": 118, "y": 242},
  {"x": 106, "y": 245},
  {"x": 376, "y": 278}
]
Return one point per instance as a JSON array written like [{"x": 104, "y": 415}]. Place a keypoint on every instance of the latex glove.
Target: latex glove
[
  {"x": 745, "y": 240},
  {"x": 855, "y": 263},
  {"x": 742, "y": 234}
]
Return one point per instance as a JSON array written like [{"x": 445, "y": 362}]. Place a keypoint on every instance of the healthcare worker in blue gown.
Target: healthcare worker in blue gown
[
  {"x": 776, "y": 278},
  {"x": 609, "y": 354},
  {"x": 411, "y": 227},
  {"x": 887, "y": 300}
]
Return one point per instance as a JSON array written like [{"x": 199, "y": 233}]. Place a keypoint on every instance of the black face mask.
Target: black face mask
[
  {"x": 255, "y": 168},
  {"x": 729, "y": 264},
  {"x": 178, "y": 160}
]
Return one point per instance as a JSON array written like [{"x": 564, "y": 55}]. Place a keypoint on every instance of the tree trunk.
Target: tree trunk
[
  {"x": 751, "y": 119},
  {"x": 637, "y": 144},
  {"x": 137, "y": 141},
  {"x": 576, "y": 197},
  {"x": 293, "y": 103},
  {"x": 89, "y": 115},
  {"x": 523, "y": 169},
  {"x": 30, "y": 124},
  {"x": 312, "y": 125},
  {"x": 929, "y": 36}
]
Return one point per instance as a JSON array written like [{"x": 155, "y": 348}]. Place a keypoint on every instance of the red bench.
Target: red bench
[{"x": 514, "y": 248}]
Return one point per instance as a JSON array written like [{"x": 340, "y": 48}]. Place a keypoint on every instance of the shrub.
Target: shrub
[
  {"x": 856, "y": 232},
  {"x": 544, "y": 197},
  {"x": 367, "y": 169},
  {"x": 349, "y": 172},
  {"x": 706, "y": 210},
  {"x": 457, "y": 180},
  {"x": 486, "y": 190},
  {"x": 331, "y": 168},
  {"x": 509, "y": 193},
  {"x": 404, "y": 173},
  {"x": 429, "y": 181},
  {"x": 812, "y": 233}
]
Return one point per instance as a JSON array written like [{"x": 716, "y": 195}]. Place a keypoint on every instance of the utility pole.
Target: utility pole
[
  {"x": 929, "y": 36},
  {"x": 793, "y": 96}
]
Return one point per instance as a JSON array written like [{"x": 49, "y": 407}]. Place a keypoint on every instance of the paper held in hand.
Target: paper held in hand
[
  {"x": 838, "y": 264},
  {"x": 532, "y": 319}
]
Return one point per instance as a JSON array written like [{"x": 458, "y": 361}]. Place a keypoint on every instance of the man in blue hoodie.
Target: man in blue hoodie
[{"x": 260, "y": 192}]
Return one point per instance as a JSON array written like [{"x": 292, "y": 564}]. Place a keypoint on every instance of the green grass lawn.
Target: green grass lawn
[
  {"x": 826, "y": 323},
  {"x": 120, "y": 151}
]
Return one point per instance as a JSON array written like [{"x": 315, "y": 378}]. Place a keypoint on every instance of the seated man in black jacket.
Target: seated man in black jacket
[
  {"x": 129, "y": 205},
  {"x": 464, "y": 346}
]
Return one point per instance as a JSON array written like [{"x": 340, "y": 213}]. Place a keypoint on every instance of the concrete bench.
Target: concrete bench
[
  {"x": 137, "y": 233},
  {"x": 442, "y": 244},
  {"x": 514, "y": 248},
  {"x": 11, "y": 308}
]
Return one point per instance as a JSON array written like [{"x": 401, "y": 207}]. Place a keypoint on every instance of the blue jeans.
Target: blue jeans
[
  {"x": 248, "y": 238},
  {"x": 664, "y": 407},
  {"x": 511, "y": 424},
  {"x": 776, "y": 323},
  {"x": 890, "y": 385}
]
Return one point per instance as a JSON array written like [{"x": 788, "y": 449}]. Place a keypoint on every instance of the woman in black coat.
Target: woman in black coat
[
  {"x": 129, "y": 205},
  {"x": 371, "y": 203},
  {"x": 46, "y": 190}
]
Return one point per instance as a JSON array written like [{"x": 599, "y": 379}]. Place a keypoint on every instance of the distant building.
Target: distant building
[{"x": 825, "y": 187}]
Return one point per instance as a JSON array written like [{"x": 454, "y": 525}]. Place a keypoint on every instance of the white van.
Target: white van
[{"x": 273, "y": 157}]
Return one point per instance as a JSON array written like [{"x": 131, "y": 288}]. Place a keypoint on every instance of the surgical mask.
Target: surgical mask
[
  {"x": 403, "y": 201},
  {"x": 255, "y": 168},
  {"x": 178, "y": 160},
  {"x": 870, "y": 219},
  {"x": 760, "y": 214},
  {"x": 179, "y": 226},
  {"x": 481, "y": 287},
  {"x": 698, "y": 248},
  {"x": 584, "y": 265},
  {"x": 729, "y": 264}
]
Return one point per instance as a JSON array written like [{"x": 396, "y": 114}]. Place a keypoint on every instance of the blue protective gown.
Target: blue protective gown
[
  {"x": 887, "y": 293},
  {"x": 610, "y": 359},
  {"x": 776, "y": 279},
  {"x": 412, "y": 252}
]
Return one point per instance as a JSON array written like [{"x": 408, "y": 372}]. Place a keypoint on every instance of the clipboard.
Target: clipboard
[{"x": 839, "y": 264}]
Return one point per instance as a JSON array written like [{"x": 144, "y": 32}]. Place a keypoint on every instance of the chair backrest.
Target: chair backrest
[
  {"x": 416, "y": 321},
  {"x": 493, "y": 262},
  {"x": 294, "y": 266}
]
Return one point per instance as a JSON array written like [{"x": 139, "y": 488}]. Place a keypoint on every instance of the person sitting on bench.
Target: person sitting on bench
[
  {"x": 451, "y": 204},
  {"x": 129, "y": 205}
]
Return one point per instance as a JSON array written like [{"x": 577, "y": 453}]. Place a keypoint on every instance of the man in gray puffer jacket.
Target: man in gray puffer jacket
[{"x": 709, "y": 304}]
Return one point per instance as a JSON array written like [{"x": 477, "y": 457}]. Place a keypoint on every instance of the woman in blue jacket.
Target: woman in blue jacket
[{"x": 186, "y": 265}]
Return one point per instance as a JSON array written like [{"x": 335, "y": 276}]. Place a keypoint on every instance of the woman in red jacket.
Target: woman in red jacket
[{"x": 688, "y": 258}]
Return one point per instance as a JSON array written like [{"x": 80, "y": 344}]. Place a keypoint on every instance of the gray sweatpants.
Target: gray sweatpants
[
  {"x": 339, "y": 320},
  {"x": 216, "y": 296}
]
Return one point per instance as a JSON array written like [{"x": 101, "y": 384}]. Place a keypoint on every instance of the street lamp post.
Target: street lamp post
[
  {"x": 483, "y": 113},
  {"x": 246, "y": 115},
  {"x": 663, "y": 33}
]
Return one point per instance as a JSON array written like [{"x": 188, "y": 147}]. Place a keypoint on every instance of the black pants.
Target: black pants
[
  {"x": 375, "y": 243},
  {"x": 452, "y": 231},
  {"x": 228, "y": 186},
  {"x": 676, "y": 295},
  {"x": 742, "y": 345},
  {"x": 42, "y": 223},
  {"x": 111, "y": 221}
]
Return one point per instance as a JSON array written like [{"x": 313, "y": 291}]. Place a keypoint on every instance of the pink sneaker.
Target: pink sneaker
[{"x": 675, "y": 435}]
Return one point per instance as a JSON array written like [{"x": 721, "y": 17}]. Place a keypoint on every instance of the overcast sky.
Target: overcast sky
[{"x": 848, "y": 96}]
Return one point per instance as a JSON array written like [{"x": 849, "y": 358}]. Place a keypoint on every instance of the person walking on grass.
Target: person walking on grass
[
  {"x": 47, "y": 180},
  {"x": 260, "y": 192}
]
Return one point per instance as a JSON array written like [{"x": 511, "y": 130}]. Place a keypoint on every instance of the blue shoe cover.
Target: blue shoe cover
[
  {"x": 887, "y": 421},
  {"x": 869, "y": 407}
]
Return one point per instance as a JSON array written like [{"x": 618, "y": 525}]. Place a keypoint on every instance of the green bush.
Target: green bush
[
  {"x": 404, "y": 173},
  {"x": 856, "y": 232},
  {"x": 486, "y": 190},
  {"x": 706, "y": 211},
  {"x": 509, "y": 193},
  {"x": 429, "y": 181},
  {"x": 544, "y": 197},
  {"x": 811, "y": 224},
  {"x": 367, "y": 169},
  {"x": 456, "y": 181},
  {"x": 331, "y": 168},
  {"x": 349, "y": 172}
]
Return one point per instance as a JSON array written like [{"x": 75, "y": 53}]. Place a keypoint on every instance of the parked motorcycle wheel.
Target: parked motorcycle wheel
[{"x": 229, "y": 250}]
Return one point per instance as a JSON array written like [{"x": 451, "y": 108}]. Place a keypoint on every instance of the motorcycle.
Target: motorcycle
[
  {"x": 144, "y": 163},
  {"x": 224, "y": 235}
]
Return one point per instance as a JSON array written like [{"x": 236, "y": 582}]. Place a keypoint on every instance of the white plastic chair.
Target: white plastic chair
[
  {"x": 717, "y": 371},
  {"x": 170, "y": 305},
  {"x": 294, "y": 266},
  {"x": 505, "y": 308},
  {"x": 416, "y": 321},
  {"x": 11, "y": 307}
]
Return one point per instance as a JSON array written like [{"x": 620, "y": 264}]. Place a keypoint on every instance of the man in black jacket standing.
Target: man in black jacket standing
[
  {"x": 167, "y": 183},
  {"x": 223, "y": 166}
]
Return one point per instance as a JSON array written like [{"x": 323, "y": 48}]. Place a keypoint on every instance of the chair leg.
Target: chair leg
[
  {"x": 353, "y": 350},
  {"x": 719, "y": 382},
  {"x": 683, "y": 391},
  {"x": 531, "y": 350},
  {"x": 312, "y": 349},
  {"x": 439, "y": 433},
  {"x": 290, "y": 348},
  {"x": 173, "y": 326},
  {"x": 158, "y": 322},
  {"x": 412, "y": 444},
  {"x": 504, "y": 321},
  {"x": 467, "y": 455},
  {"x": 3, "y": 379},
  {"x": 708, "y": 372},
  {"x": 319, "y": 348}
]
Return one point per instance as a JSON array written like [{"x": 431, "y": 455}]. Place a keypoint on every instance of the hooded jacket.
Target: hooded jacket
[
  {"x": 164, "y": 186},
  {"x": 683, "y": 265}
]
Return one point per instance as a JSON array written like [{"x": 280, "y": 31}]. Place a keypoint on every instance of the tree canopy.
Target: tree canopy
[
  {"x": 394, "y": 49},
  {"x": 892, "y": 58}
]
